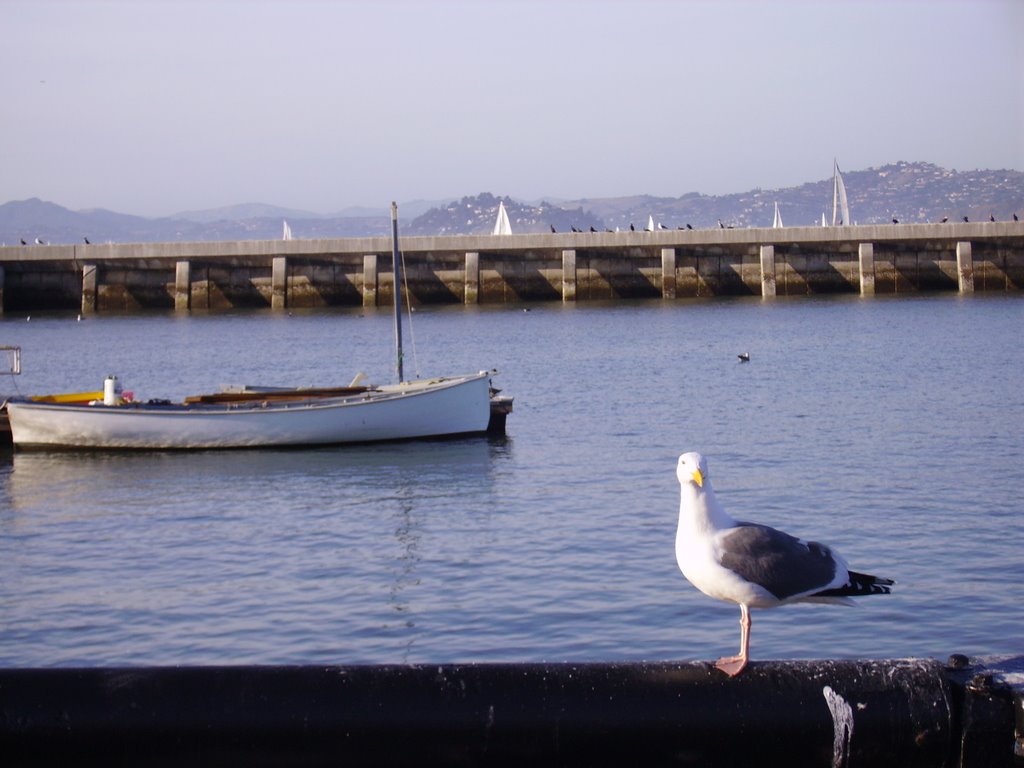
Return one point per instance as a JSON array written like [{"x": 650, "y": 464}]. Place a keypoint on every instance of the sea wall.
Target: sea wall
[{"x": 672, "y": 264}]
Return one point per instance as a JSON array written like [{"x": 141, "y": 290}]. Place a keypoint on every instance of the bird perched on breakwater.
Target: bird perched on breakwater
[
  {"x": 965, "y": 220},
  {"x": 753, "y": 565}
]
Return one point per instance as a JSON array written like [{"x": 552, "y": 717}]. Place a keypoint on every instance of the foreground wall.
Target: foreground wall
[{"x": 515, "y": 268}]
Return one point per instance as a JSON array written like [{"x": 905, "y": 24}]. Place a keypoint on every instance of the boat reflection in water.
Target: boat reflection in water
[{"x": 175, "y": 480}]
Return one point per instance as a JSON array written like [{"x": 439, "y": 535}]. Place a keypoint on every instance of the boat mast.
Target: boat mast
[{"x": 397, "y": 269}]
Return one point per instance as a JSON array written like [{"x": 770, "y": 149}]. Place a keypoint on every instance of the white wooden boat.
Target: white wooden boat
[
  {"x": 437, "y": 407},
  {"x": 456, "y": 405}
]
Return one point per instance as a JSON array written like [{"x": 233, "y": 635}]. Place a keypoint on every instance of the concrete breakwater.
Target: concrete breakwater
[{"x": 672, "y": 264}]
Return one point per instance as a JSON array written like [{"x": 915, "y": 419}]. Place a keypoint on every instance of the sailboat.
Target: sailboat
[
  {"x": 777, "y": 223},
  {"x": 287, "y": 232},
  {"x": 501, "y": 224},
  {"x": 253, "y": 417},
  {"x": 840, "y": 209}
]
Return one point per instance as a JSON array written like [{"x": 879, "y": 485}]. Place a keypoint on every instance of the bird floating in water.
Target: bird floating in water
[
  {"x": 753, "y": 565},
  {"x": 744, "y": 357}
]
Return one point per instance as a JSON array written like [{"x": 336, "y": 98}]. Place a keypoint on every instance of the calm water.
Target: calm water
[{"x": 891, "y": 428}]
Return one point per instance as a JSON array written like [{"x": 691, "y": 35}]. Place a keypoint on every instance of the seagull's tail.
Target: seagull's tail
[{"x": 859, "y": 584}]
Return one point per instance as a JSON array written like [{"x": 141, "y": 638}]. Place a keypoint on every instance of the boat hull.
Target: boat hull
[{"x": 431, "y": 408}]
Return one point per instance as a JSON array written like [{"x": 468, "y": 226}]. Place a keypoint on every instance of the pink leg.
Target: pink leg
[{"x": 733, "y": 665}]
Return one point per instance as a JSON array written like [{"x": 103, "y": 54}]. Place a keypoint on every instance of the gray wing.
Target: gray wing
[{"x": 784, "y": 565}]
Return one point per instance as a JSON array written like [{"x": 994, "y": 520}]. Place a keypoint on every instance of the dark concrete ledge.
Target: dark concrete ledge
[{"x": 906, "y": 712}]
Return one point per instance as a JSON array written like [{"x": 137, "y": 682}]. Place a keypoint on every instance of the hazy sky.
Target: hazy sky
[{"x": 152, "y": 107}]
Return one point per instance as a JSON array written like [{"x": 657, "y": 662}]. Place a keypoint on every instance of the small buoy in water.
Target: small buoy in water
[
  {"x": 744, "y": 357},
  {"x": 79, "y": 318}
]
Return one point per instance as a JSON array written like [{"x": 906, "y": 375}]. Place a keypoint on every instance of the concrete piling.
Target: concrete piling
[
  {"x": 768, "y": 271},
  {"x": 568, "y": 275},
  {"x": 89, "y": 284},
  {"x": 182, "y": 286},
  {"x": 370, "y": 277},
  {"x": 964, "y": 267},
  {"x": 668, "y": 273},
  {"x": 279, "y": 283},
  {"x": 866, "y": 262},
  {"x": 471, "y": 291}
]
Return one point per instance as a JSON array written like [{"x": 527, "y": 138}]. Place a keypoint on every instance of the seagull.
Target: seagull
[
  {"x": 632, "y": 228},
  {"x": 753, "y": 565},
  {"x": 87, "y": 241},
  {"x": 573, "y": 228},
  {"x": 944, "y": 219},
  {"x": 991, "y": 217},
  {"x": 593, "y": 230},
  {"x": 744, "y": 357},
  {"x": 23, "y": 241},
  {"x": 688, "y": 226},
  {"x": 965, "y": 219},
  {"x": 553, "y": 230},
  {"x": 40, "y": 242},
  {"x": 895, "y": 220},
  {"x": 1015, "y": 217}
]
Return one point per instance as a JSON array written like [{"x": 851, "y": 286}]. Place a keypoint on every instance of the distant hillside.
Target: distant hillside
[
  {"x": 476, "y": 215},
  {"x": 910, "y": 192}
]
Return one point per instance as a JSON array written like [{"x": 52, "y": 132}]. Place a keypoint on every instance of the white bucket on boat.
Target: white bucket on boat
[{"x": 111, "y": 390}]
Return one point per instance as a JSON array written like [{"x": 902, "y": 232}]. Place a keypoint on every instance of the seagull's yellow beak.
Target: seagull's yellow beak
[{"x": 698, "y": 478}]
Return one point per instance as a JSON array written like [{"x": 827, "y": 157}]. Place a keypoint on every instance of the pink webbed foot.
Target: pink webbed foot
[{"x": 732, "y": 665}]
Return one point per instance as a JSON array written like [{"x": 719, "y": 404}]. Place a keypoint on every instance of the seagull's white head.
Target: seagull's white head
[{"x": 692, "y": 468}]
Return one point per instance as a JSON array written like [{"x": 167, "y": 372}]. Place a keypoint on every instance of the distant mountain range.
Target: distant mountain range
[{"x": 909, "y": 192}]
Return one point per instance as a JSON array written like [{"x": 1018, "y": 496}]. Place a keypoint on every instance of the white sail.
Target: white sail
[
  {"x": 840, "y": 208},
  {"x": 501, "y": 224},
  {"x": 287, "y": 235},
  {"x": 650, "y": 223},
  {"x": 777, "y": 224},
  {"x": 823, "y": 222}
]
